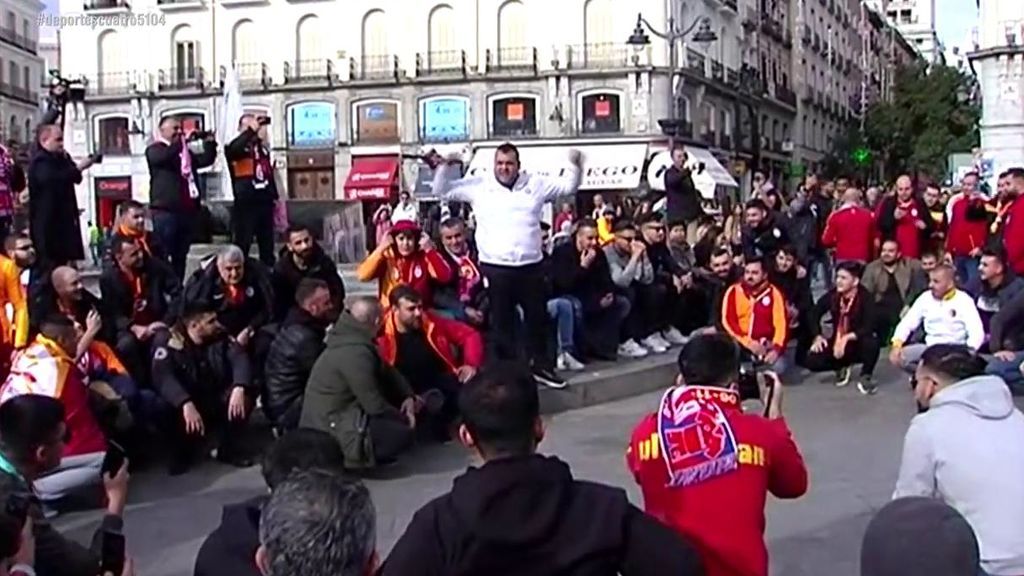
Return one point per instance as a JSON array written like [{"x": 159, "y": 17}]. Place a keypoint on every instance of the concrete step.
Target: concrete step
[{"x": 609, "y": 381}]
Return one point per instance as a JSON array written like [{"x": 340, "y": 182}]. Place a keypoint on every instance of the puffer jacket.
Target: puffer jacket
[{"x": 299, "y": 342}]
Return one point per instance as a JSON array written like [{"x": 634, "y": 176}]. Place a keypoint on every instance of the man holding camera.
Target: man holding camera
[
  {"x": 174, "y": 186},
  {"x": 705, "y": 467},
  {"x": 254, "y": 187}
]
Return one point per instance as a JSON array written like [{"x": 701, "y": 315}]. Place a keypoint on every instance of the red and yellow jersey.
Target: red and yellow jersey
[
  {"x": 14, "y": 320},
  {"x": 752, "y": 316},
  {"x": 421, "y": 271}
]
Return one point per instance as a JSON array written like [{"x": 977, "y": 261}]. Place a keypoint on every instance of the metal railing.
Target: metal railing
[
  {"x": 106, "y": 5},
  {"x": 182, "y": 78},
  {"x": 442, "y": 63},
  {"x": 309, "y": 71},
  {"x": 732, "y": 77},
  {"x": 512, "y": 59},
  {"x": 608, "y": 55},
  {"x": 374, "y": 67},
  {"x": 253, "y": 74},
  {"x": 695, "y": 61},
  {"x": 717, "y": 71},
  {"x": 110, "y": 84},
  {"x": 9, "y": 36},
  {"x": 784, "y": 94},
  {"x": 174, "y": 2},
  {"x": 19, "y": 93}
]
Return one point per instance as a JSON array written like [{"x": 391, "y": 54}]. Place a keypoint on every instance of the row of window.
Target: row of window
[
  {"x": 441, "y": 119},
  {"x": 18, "y": 130},
  {"x": 16, "y": 76}
]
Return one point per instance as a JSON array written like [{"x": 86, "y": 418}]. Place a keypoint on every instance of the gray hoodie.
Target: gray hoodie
[{"x": 968, "y": 450}]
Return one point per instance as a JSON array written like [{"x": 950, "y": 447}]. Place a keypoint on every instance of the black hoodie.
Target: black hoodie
[
  {"x": 231, "y": 547},
  {"x": 527, "y": 515}
]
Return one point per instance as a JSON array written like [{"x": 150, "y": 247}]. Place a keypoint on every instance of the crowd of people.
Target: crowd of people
[{"x": 468, "y": 320}]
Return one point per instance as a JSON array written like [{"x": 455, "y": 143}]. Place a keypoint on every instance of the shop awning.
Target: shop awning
[
  {"x": 606, "y": 166},
  {"x": 372, "y": 178},
  {"x": 714, "y": 174}
]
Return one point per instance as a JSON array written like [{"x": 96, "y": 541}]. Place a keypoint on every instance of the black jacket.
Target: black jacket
[
  {"x": 239, "y": 154},
  {"x": 183, "y": 371},
  {"x": 286, "y": 277},
  {"x": 681, "y": 196},
  {"x": 862, "y": 315},
  {"x": 206, "y": 286},
  {"x": 804, "y": 227},
  {"x": 1006, "y": 329},
  {"x": 796, "y": 290},
  {"x": 528, "y": 515},
  {"x": 231, "y": 548},
  {"x": 165, "y": 181},
  {"x": 665, "y": 265},
  {"x": 766, "y": 239},
  {"x": 53, "y": 207},
  {"x": 568, "y": 278},
  {"x": 299, "y": 342},
  {"x": 160, "y": 287}
]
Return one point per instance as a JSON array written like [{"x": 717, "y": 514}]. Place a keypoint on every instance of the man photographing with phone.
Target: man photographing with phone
[
  {"x": 705, "y": 467},
  {"x": 253, "y": 185}
]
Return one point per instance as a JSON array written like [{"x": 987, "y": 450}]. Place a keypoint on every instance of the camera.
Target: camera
[{"x": 263, "y": 120}]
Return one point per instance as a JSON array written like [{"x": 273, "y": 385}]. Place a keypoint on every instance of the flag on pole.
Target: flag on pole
[{"x": 227, "y": 128}]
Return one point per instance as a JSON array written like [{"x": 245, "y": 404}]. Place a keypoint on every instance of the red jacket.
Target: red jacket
[
  {"x": 445, "y": 337},
  {"x": 964, "y": 235},
  {"x": 851, "y": 231},
  {"x": 723, "y": 516},
  {"x": 752, "y": 317},
  {"x": 905, "y": 231},
  {"x": 421, "y": 271},
  {"x": 1013, "y": 235}
]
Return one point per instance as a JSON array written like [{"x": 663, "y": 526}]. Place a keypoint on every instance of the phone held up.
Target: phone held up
[{"x": 113, "y": 461}]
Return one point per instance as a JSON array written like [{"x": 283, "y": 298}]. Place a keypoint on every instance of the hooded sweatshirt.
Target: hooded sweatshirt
[
  {"x": 527, "y": 515},
  {"x": 231, "y": 547},
  {"x": 966, "y": 451}
]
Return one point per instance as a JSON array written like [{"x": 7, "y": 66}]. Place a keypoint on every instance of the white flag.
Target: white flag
[{"x": 227, "y": 128}]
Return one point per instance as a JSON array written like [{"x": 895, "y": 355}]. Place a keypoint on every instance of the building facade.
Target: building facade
[
  {"x": 915, "y": 19},
  {"x": 21, "y": 69},
  {"x": 998, "y": 60}
]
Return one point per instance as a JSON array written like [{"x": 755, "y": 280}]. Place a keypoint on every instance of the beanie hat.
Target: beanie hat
[{"x": 919, "y": 537}]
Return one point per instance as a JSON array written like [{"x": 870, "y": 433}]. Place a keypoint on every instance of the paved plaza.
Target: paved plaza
[{"x": 851, "y": 443}]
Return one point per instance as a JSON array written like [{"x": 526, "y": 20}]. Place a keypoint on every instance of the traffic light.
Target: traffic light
[{"x": 861, "y": 156}]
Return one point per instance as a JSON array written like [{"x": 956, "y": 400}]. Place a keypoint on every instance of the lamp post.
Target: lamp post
[{"x": 639, "y": 40}]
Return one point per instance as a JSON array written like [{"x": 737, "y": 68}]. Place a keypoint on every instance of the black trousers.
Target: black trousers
[
  {"x": 254, "y": 220},
  {"x": 174, "y": 230},
  {"x": 886, "y": 319},
  {"x": 647, "y": 313},
  {"x": 861, "y": 351},
  {"x": 526, "y": 287},
  {"x": 390, "y": 435},
  {"x": 213, "y": 408}
]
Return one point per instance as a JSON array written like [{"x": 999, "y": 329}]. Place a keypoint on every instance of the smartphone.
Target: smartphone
[
  {"x": 113, "y": 461},
  {"x": 263, "y": 120},
  {"x": 97, "y": 158},
  {"x": 112, "y": 552}
]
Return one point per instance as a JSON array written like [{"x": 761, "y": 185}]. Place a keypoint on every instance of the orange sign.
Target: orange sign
[
  {"x": 515, "y": 111},
  {"x": 602, "y": 108}
]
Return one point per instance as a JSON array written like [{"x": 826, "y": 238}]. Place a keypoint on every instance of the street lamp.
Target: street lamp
[{"x": 639, "y": 40}]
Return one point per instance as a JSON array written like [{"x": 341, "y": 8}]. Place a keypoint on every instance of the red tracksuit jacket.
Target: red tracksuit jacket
[
  {"x": 1013, "y": 235},
  {"x": 851, "y": 231},
  {"x": 965, "y": 235},
  {"x": 724, "y": 516}
]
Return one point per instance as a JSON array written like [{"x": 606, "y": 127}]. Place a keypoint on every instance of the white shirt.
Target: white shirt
[
  {"x": 507, "y": 220},
  {"x": 408, "y": 211},
  {"x": 952, "y": 319}
]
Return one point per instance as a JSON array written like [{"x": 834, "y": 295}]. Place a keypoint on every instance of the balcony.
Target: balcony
[
  {"x": 182, "y": 79},
  {"x": 511, "y": 60},
  {"x": 596, "y": 56},
  {"x": 111, "y": 84},
  {"x": 695, "y": 61},
  {"x": 175, "y": 5},
  {"x": 12, "y": 38},
  {"x": 785, "y": 95},
  {"x": 717, "y": 71},
  {"x": 379, "y": 67},
  {"x": 106, "y": 5},
  {"x": 18, "y": 93},
  {"x": 732, "y": 77},
  {"x": 311, "y": 71},
  {"x": 709, "y": 137},
  {"x": 253, "y": 75},
  {"x": 450, "y": 63}
]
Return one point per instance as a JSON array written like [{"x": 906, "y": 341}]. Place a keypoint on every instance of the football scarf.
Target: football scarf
[{"x": 697, "y": 440}]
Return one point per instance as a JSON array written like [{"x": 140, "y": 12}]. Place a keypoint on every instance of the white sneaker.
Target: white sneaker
[
  {"x": 674, "y": 337},
  {"x": 569, "y": 362},
  {"x": 560, "y": 363},
  {"x": 630, "y": 349},
  {"x": 654, "y": 344},
  {"x": 661, "y": 340}
]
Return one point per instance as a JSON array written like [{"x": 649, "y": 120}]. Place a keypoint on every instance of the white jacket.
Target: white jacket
[{"x": 952, "y": 319}]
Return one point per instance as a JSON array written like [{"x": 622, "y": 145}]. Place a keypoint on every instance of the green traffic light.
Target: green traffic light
[{"x": 862, "y": 156}]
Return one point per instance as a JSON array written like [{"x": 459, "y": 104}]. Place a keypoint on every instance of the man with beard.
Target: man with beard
[
  {"x": 937, "y": 210},
  {"x": 206, "y": 379},
  {"x": 464, "y": 297},
  {"x": 1011, "y": 228},
  {"x": 296, "y": 346},
  {"x": 853, "y": 339},
  {"x": 254, "y": 187},
  {"x": 784, "y": 275},
  {"x": 13, "y": 310},
  {"x": 682, "y": 197},
  {"x": 761, "y": 234},
  {"x": 821, "y": 203},
  {"x": 673, "y": 281},
  {"x": 905, "y": 219},
  {"x": 893, "y": 282},
  {"x": 850, "y": 230},
  {"x": 995, "y": 287},
  {"x": 754, "y": 315},
  {"x": 238, "y": 289},
  {"x": 633, "y": 275},
  {"x": 20, "y": 249},
  {"x": 139, "y": 293},
  {"x": 131, "y": 225},
  {"x": 302, "y": 258},
  {"x": 721, "y": 273},
  {"x": 968, "y": 229}
]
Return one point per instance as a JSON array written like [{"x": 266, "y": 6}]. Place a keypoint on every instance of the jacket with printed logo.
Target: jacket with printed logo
[{"x": 422, "y": 271}]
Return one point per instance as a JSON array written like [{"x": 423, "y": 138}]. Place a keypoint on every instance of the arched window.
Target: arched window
[
  {"x": 376, "y": 122},
  {"x": 513, "y": 47},
  {"x": 310, "y": 56},
  {"x": 376, "y": 60},
  {"x": 513, "y": 116},
  {"x": 14, "y": 129},
  {"x": 185, "y": 56},
  {"x": 441, "y": 44},
  {"x": 598, "y": 36},
  {"x": 244, "y": 43},
  {"x": 600, "y": 114},
  {"x": 110, "y": 64},
  {"x": 312, "y": 125},
  {"x": 444, "y": 119},
  {"x": 112, "y": 136}
]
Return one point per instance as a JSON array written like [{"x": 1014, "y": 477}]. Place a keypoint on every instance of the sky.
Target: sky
[{"x": 954, "y": 20}]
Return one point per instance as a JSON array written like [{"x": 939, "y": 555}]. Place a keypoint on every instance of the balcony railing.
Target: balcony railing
[
  {"x": 253, "y": 74},
  {"x": 732, "y": 77},
  {"x": 442, "y": 63},
  {"x": 183, "y": 78},
  {"x": 310, "y": 71},
  {"x": 710, "y": 137},
  {"x": 179, "y": 4},
  {"x": 106, "y": 5},
  {"x": 18, "y": 93},
  {"x": 717, "y": 71},
  {"x": 8, "y": 36},
  {"x": 111, "y": 84},
  {"x": 608, "y": 55},
  {"x": 784, "y": 94},
  {"x": 375, "y": 67},
  {"x": 511, "y": 59},
  {"x": 695, "y": 61}
]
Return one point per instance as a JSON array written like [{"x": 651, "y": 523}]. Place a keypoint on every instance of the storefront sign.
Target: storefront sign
[
  {"x": 605, "y": 167},
  {"x": 311, "y": 124},
  {"x": 114, "y": 187},
  {"x": 444, "y": 119}
]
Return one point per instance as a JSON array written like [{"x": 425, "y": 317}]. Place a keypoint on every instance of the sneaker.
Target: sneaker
[
  {"x": 655, "y": 344},
  {"x": 674, "y": 337},
  {"x": 547, "y": 377},
  {"x": 569, "y": 362},
  {"x": 842, "y": 377},
  {"x": 866, "y": 386},
  {"x": 630, "y": 349}
]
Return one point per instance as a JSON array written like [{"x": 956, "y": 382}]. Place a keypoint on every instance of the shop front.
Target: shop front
[
  {"x": 311, "y": 133},
  {"x": 111, "y": 191},
  {"x": 717, "y": 187}
]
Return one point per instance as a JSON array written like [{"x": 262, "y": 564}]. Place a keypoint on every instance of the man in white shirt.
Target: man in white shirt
[
  {"x": 947, "y": 315},
  {"x": 508, "y": 208},
  {"x": 406, "y": 209}
]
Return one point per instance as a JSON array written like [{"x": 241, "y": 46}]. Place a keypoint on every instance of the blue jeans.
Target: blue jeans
[
  {"x": 966, "y": 269},
  {"x": 1008, "y": 371},
  {"x": 566, "y": 311}
]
